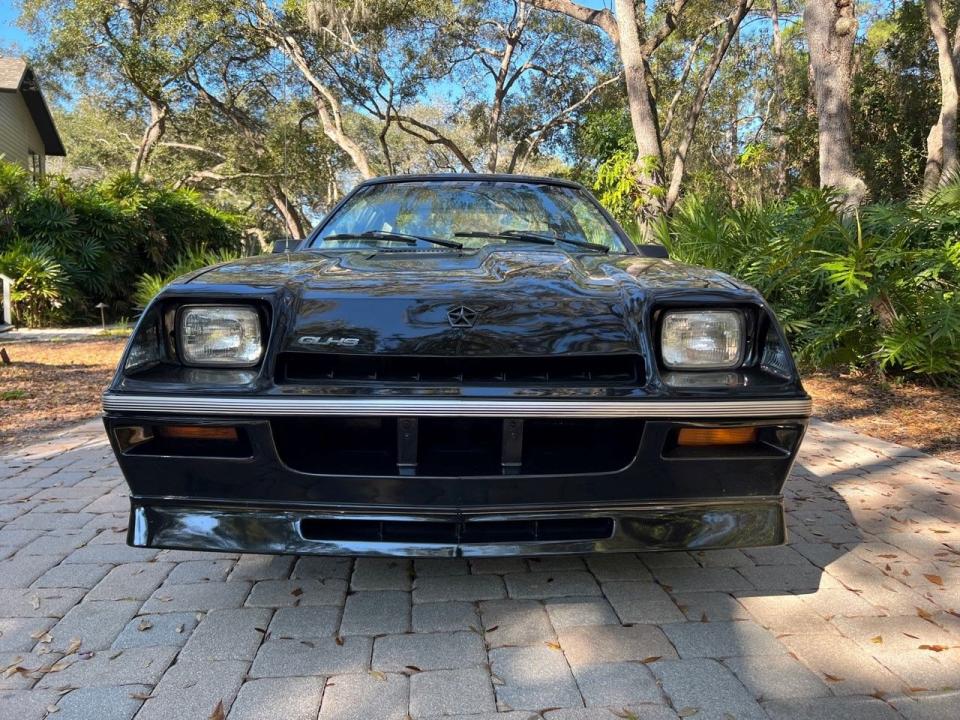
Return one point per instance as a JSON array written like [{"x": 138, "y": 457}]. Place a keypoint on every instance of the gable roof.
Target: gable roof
[
  {"x": 11, "y": 73},
  {"x": 17, "y": 76}
]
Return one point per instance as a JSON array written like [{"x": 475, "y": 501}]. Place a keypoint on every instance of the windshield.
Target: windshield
[{"x": 453, "y": 210}]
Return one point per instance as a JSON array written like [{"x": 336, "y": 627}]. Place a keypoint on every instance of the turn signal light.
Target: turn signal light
[
  {"x": 698, "y": 437},
  {"x": 196, "y": 432}
]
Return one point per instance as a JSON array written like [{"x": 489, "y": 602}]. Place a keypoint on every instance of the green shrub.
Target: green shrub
[
  {"x": 875, "y": 288},
  {"x": 149, "y": 284},
  {"x": 101, "y": 238},
  {"x": 41, "y": 286}
]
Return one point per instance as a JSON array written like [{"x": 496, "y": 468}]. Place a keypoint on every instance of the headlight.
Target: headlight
[
  {"x": 227, "y": 335},
  {"x": 702, "y": 339}
]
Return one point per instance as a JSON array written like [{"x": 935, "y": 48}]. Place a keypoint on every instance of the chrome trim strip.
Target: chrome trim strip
[{"x": 454, "y": 407}]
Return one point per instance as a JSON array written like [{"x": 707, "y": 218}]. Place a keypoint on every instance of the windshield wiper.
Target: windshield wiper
[
  {"x": 532, "y": 237},
  {"x": 529, "y": 237},
  {"x": 394, "y": 237}
]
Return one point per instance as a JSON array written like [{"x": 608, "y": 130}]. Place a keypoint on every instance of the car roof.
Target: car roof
[{"x": 476, "y": 177}]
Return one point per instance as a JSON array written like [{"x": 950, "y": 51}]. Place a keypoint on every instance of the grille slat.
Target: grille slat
[{"x": 317, "y": 368}]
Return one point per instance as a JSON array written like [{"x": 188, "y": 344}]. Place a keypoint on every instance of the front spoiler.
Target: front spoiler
[{"x": 741, "y": 522}]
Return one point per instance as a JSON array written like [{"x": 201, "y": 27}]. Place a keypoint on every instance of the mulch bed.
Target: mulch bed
[
  {"x": 50, "y": 385},
  {"x": 919, "y": 416}
]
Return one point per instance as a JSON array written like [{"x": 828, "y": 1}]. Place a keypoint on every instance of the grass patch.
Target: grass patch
[{"x": 13, "y": 395}]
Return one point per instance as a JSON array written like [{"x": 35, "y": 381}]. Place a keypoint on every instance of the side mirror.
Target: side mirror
[
  {"x": 286, "y": 245},
  {"x": 654, "y": 251}
]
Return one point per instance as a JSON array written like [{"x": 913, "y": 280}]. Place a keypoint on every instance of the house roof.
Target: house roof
[{"x": 17, "y": 76}]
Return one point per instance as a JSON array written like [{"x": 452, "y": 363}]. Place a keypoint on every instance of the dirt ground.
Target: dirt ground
[{"x": 49, "y": 385}]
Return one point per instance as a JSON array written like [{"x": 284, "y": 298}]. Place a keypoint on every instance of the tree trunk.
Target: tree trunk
[
  {"x": 831, "y": 30},
  {"x": 151, "y": 136},
  {"x": 933, "y": 170},
  {"x": 942, "y": 140},
  {"x": 502, "y": 84},
  {"x": 643, "y": 113},
  {"x": 292, "y": 219},
  {"x": 329, "y": 106},
  {"x": 696, "y": 108},
  {"x": 779, "y": 82}
]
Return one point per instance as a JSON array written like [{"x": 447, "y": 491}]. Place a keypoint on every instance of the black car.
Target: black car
[{"x": 451, "y": 365}]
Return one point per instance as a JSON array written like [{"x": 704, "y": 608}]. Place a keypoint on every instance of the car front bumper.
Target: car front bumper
[
  {"x": 676, "y": 526},
  {"x": 266, "y": 499}
]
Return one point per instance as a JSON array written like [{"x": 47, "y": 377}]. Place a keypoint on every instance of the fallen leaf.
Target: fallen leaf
[
  {"x": 915, "y": 637},
  {"x": 338, "y": 640},
  {"x": 140, "y": 695},
  {"x": 41, "y": 635},
  {"x": 924, "y": 614},
  {"x": 413, "y": 668},
  {"x": 553, "y": 645},
  {"x": 877, "y": 640},
  {"x": 217, "y": 713},
  {"x": 496, "y": 679},
  {"x": 492, "y": 628},
  {"x": 888, "y": 556},
  {"x": 832, "y": 678},
  {"x": 144, "y": 625},
  {"x": 15, "y": 670},
  {"x": 74, "y": 645},
  {"x": 935, "y": 579},
  {"x": 652, "y": 658},
  {"x": 934, "y": 648},
  {"x": 297, "y": 592},
  {"x": 378, "y": 675},
  {"x": 58, "y": 666},
  {"x": 52, "y": 709}
]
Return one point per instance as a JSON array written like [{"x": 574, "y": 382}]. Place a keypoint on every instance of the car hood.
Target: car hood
[{"x": 520, "y": 302}]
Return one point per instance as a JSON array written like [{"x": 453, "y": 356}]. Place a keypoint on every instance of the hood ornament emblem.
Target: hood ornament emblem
[{"x": 462, "y": 317}]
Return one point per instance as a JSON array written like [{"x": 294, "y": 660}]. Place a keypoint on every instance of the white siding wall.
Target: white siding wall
[{"x": 18, "y": 134}]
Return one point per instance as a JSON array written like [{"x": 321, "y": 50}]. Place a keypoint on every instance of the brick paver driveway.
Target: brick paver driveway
[{"x": 859, "y": 617}]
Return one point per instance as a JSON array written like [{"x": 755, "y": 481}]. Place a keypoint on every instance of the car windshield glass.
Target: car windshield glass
[{"x": 453, "y": 210}]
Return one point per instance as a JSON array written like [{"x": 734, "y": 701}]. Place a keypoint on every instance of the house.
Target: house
[{"x": 27, "y": 132}]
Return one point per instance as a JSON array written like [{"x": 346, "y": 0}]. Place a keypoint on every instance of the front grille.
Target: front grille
[
  {"x": 449, "y": 532},
  {"x": 313, "y": 368},
  {"x": 456, "y": 447}
]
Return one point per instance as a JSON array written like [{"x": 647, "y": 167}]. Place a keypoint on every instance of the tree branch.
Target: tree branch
[
  {"x": 732, "y": 21},
  {"x": 666, "y": 28},
  {"x": 602, "y": 19}
]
